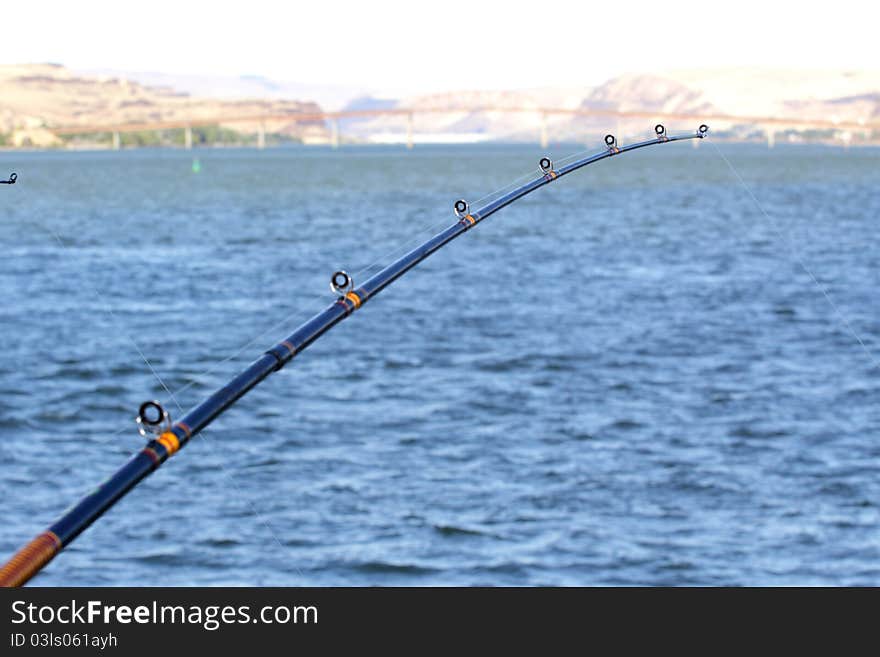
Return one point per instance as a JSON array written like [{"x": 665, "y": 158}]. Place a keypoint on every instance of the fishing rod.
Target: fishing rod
[
  {"x": 167, "y": 437},
  {"x": 12, "y": 178}
]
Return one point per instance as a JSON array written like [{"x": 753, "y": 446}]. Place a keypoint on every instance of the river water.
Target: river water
[{"x": 633, "y": 376}]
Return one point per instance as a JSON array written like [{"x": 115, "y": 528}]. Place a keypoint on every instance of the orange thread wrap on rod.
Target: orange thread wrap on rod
[{"x": 30, "y": 559}]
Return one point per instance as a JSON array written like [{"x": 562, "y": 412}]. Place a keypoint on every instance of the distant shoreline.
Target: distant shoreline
[{"x": 401, "y": 144}]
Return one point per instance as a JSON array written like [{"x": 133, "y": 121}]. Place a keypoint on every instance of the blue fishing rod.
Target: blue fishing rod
[{"x": 167, "y": 437}]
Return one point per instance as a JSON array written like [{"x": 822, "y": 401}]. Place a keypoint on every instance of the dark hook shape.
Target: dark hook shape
[{"x": 12, "y": 178}]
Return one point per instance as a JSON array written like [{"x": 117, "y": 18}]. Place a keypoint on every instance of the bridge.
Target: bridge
[{"x": 770, "y": 124}]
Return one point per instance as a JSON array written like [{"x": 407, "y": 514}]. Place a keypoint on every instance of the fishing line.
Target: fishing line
[
  {"x": 382, "y": 260},
  {"x": 299, "y": 310},
  {"x": 361, "y": 273},
  {"x": 791, "y": 246},
  {"x": 303, "y": 306},
  {"x": 103, "y": 302},
  {"x": 498, "y": 193},
  {"x": 418, "y": 235},
  {"x": 533, "y": 173},
  {"x": 568, "y": 159},
  {"x": 364, "y": 271}
]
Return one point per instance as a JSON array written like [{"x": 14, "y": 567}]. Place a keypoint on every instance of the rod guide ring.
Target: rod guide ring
[
  {"x": 152, "y": 418},
  {"x": 546, "y": 164},
  {"x": 703, "y": 129},
  {"x": 341, "y": 283},
  {"x": 610, "y": 141},
  {"x": 660, "y": 129},
  {"x": 461, "y": 208}
]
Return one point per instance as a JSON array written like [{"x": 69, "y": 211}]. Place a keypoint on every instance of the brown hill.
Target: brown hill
[{"x": 35, "y": 97}]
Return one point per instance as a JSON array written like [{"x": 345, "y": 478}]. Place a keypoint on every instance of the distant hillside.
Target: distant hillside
[
  {"x": 844, "y": 96},
  {"x": 33, "y": 97},
  {"x": 36, "y": 96}
]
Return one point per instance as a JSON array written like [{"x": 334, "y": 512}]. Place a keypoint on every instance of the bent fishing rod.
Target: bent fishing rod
[{"x": 168, "y": 437}]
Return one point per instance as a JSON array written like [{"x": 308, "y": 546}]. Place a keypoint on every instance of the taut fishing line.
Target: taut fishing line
[
  {"x": 362, "y": 272},
  {"x": 418, "y": 235},
  {"x": 107, "y": 308},
  {"x": 303, "y": 305},
  {"x": 797, "y": 258}
]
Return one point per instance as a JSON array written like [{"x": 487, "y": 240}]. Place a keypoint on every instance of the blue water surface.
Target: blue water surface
[{"x": 633, "y": 376}]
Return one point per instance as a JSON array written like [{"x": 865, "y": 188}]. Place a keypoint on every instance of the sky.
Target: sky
[{"x": 397, "y": 48}]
